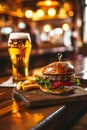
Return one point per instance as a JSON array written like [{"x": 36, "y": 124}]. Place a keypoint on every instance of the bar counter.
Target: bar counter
[{"x": 14, "y": 114}]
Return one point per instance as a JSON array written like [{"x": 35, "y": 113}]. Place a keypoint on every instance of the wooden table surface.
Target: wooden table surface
[{"x": 15, "y": 115}]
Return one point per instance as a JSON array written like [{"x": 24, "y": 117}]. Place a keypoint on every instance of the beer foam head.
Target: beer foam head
[{"x": 19, "y": 35}]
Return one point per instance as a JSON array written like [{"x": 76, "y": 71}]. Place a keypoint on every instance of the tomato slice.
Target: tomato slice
[{"x": 58, "y": 84}]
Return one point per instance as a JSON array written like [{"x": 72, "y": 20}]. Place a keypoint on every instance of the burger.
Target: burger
[{"x": 58, "y": 78}]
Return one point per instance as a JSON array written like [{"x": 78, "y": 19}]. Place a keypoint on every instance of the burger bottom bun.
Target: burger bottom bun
[{"x": 58, "y": 91}]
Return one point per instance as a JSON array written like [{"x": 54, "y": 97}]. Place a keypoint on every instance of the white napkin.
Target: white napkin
[{"x": 8, "y": 83}]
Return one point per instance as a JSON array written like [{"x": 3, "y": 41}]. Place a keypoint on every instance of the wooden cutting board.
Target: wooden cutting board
[{"x": 37, "y": 98}]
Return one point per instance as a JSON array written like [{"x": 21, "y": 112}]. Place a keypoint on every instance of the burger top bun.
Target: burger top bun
[{"x": 61, "y": 67}]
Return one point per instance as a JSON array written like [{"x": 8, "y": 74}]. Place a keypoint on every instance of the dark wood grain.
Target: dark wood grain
[{"x": 37, "y": 98}]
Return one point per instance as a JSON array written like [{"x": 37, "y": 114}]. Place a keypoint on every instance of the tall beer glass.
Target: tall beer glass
[{"x": 19, "y": 47}]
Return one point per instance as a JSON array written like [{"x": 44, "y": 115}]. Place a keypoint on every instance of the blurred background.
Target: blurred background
[{"x": 54, "y": 26}]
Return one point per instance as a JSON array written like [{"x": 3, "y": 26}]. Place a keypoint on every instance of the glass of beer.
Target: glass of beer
[{"x": 19, "y": 47}]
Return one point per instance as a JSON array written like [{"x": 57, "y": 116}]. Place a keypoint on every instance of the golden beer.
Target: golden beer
[{"x": 19, "y": 47}]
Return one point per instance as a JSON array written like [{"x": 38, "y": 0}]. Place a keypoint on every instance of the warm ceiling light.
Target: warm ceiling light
[
  {"x": 40, "y": 13},
  {"x": 47, "y": 28},
  {"x": 71, "y": 13},
  {"x": 19, "y": 13},
  {"x": 28, "y": 13},
  {"x": 62, "y": 13},
  {"x": 35, "y": 16},
  {"x": 51, "y": 12},
  {"x": 47, "y": 3},
  {"x": 67, "y": 6},
  {"x": 65, "y": 27}
]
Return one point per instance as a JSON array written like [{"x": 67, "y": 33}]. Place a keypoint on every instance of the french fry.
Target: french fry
[
  {"x": 19, "y": 85},
  {"x": 29, "y": 84},
  {"x": 30, "y": 87}
]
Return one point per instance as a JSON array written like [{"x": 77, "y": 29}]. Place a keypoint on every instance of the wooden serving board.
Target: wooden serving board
[{"x": 37, "y": 98}]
